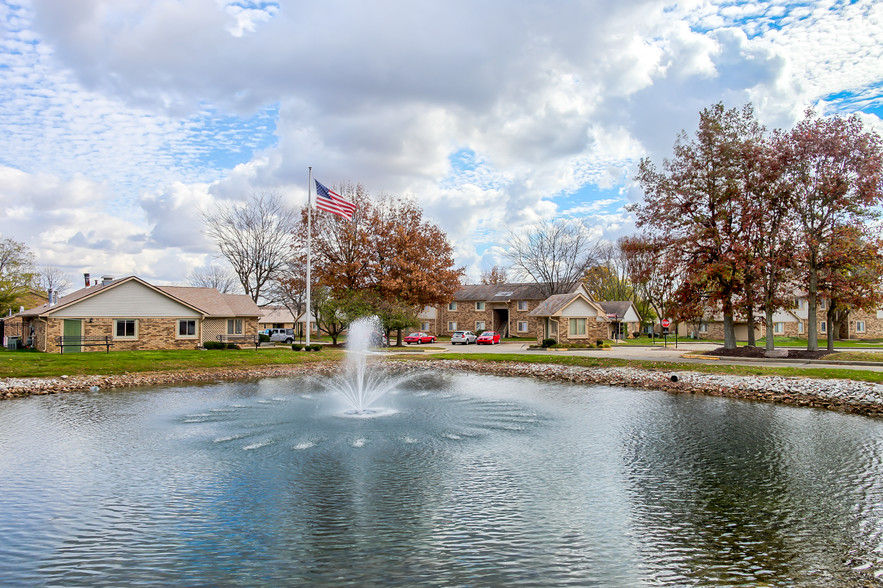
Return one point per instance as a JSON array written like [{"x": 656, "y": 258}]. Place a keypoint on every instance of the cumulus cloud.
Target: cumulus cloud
[{"x": 491, "y": 114}]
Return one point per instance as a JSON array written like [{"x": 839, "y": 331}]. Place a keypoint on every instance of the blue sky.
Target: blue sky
[{"x": 119, "y": 121}]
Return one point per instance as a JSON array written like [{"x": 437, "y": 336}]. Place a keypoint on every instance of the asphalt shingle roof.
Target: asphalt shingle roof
[
  {"x": 553, "y": 304},
  {"x": 208, "y": 300},
  {"x": 501, "y": 292},
  {"x": 616, "y": 307}
]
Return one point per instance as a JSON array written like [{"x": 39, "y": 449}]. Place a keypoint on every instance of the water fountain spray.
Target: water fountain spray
[{"x": 360, "y": 386}]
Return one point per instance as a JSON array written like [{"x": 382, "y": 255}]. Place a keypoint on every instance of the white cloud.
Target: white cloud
[{"x": 138, "y": 112}]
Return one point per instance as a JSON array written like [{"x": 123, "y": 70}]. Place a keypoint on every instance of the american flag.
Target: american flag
[{"x": 333, "y": 202}]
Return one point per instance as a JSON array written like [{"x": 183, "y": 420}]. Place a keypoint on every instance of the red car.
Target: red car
[
  {"x": 419, "y": 338},
  {"x": 488, "y": 338}
]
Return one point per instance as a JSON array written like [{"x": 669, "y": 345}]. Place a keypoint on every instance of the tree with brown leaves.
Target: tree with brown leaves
[
  {"x": 850, "y": 276},
  {"x": 695, "y": 204},
  {"x": 388, "y": 252},
  {"x": 494, "y": 276},
  {"x": 835, "y": 171}
]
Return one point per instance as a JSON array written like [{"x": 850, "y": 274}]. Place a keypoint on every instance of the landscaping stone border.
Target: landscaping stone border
[{"x": 841, "y": 395}]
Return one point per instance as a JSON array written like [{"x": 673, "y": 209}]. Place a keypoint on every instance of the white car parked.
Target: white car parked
[{"x": 464, "y": 337}]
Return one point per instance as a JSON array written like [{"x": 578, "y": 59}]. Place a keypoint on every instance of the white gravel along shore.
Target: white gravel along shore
[{"x": 843, "y": 395}]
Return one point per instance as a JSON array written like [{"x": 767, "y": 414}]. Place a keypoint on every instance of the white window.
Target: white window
[
  {"x": 452, "y": 306},
  {"x": 522, "y": 305},
  {"x": 452, "y": 326},
  {"x": 186, "y": 328},
  {"x": 479, "y": 306},
  {"x": 703, "y": 327},
  {"x": 778, "y": 328},
  {"x": 800, "y": 327},
  {"x": 522, "y": 326},
  {"x": 424, "y": 327},
  {"x": 234, "y": 326},
  {"x": 823, "y": 327},
  {"x": 577, "y": 327},
  {"x": 125, "y": 329},
  {"x": 479, "y": 325},
  {"x": 859, "y": 326},
  {"x": 822, "y": 303}
]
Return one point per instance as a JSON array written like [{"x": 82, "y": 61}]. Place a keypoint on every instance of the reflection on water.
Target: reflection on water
[{"x": 463, "y": 480}]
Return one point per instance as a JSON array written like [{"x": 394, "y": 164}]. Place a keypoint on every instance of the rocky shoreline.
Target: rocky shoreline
[{"x": 841, "y": 395}]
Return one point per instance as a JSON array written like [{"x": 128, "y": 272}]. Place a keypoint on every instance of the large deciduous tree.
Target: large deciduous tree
[
  {"x": 16, "y": 273},
  {"x": 554, "y": 254},
  {"x": 387, "y": 252},
  {"x": 254, "y": 236},
  {"x": 413, "y": 261},
  {"x": 850, "y": 276},
  {"x": 770, "y": 246},
  {"x": 696, "y": 202},
  {"x": 835, "y": 170}
]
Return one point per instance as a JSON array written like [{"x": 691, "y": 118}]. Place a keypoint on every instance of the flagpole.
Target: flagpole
[{"x": 309, "y": 242}]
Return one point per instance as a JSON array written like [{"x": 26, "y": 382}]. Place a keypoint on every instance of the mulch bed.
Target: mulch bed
[{"x": 760, "y": 352}]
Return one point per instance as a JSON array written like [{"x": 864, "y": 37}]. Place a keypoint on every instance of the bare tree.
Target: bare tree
[
  {"x": 52, "y": 278},
  {"x": 213, "y": 277},
  {"x": 554, "y": 254},
  {"x": 289, "y": 286},
  {"x": 608, "y": 279},
  {"x": 255, "y": 236}
]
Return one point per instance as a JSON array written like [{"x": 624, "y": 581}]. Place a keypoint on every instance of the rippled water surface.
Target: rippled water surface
[{"x": 459, "y": 480}]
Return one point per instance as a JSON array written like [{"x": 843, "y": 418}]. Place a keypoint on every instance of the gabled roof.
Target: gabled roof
[
  {"x": 616, "y": 308},
  {"x": 554, "y": 304},
  {"x": 502, "y": 292},
  {"x": 85, "y": 293},
  {"x": 784, "y": 316},
  {"x": 551, "y": 305},
  {"x": 212, "y": 303},
  {"x": 276, "y": 314},
  {"x": 206, "y": 301}
]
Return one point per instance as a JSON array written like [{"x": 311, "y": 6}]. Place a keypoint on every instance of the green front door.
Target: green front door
[{"x": 72, "y": 329}]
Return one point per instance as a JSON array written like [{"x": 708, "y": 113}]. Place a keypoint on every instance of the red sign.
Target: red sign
[{"x": 665, "y": 323}]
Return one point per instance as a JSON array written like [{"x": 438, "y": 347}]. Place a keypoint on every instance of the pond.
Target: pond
[{"x": 457, "y": 479}]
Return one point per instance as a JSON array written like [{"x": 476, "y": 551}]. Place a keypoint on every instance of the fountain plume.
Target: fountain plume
[{"x": 359, "y": 385}]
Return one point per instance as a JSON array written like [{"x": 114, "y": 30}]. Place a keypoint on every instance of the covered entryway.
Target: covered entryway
[
  {"x": 72, "y": 328},
  {"x": 501, "y": 321}
]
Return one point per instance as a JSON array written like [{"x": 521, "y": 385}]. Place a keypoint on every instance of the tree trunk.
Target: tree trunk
[
  {"x": 832, "y": 317},
  {"x": 729, "y": 329},
  {"x": 812, "y": 336},
  {"x": 770, "y": 329},
  {"x": 752, "y": 340}
]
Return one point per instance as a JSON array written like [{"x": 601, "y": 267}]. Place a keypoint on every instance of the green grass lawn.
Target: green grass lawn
[
  {"x": 26, "y": 364},
  {"x": 710, "y": 368},
  {"x": 23, "y": 364},
  {"x": 874, "y": 356}
]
